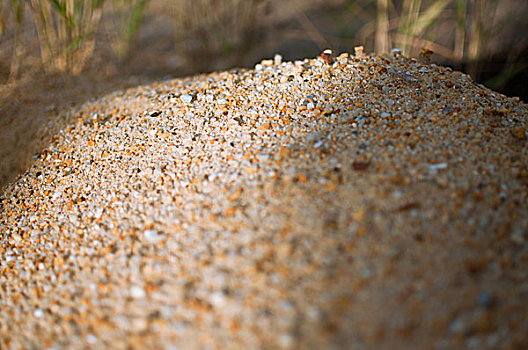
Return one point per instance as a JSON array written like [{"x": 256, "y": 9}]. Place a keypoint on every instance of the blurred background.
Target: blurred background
[
  {"x": 57, "y": 54},
  {"x": 159, "y": 38}
]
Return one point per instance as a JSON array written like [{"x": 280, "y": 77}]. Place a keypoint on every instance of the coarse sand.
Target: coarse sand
[{"x": 354, "y": 202}]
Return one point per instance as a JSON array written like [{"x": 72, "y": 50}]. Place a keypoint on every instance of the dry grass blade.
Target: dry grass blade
[
  {"x": 410, "y": 11},
  {"x": 66, "y": 32},
  {"x": 17, "y": 10},
  {"x": 125, "y": 20},
  {"x": 475, "y": 32},
  {"x": 428, "y": 17},
  {"x": 460, "y": 34},
  {"x": 2, "y": 19},
  {"x": 207, "y": 29},
  {"x": 416, "y": 22},
  {"x": 382, "y": 27}
]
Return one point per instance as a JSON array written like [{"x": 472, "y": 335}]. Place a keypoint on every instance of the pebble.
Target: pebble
[
  {"x": 285, "y": 207},
  {"x": 486, "y": 299},
  {"x": 186, "y": 98},
  {"x": 277, "y": 60},
  {"x": 137, "y": 292},
  {"x": 435, "y": 167},
  {"x": 151, "y": 236}
]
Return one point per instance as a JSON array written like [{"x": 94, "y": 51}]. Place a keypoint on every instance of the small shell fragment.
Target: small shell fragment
[
  {"x": 425, "y": 56},
  {"x": 327, "y": 56},
  {"x": 396, "y": 52},
  {"x": 358, "y": 50}
]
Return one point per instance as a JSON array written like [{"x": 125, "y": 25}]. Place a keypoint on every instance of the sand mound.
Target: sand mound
[{"x": 373, "y": 202}]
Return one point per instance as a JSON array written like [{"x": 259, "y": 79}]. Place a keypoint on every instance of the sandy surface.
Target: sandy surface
[
  {"x": 374, "y": 203},
  {"x": 35, "y": 107}
]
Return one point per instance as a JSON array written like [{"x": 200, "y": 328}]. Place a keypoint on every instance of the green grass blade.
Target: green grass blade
[
  {"x": 425, "y": 20},
  {"x": 16, "y": 5},
  {"x": 60, "y": 7},
  {"x": 135, "y": 19}
]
